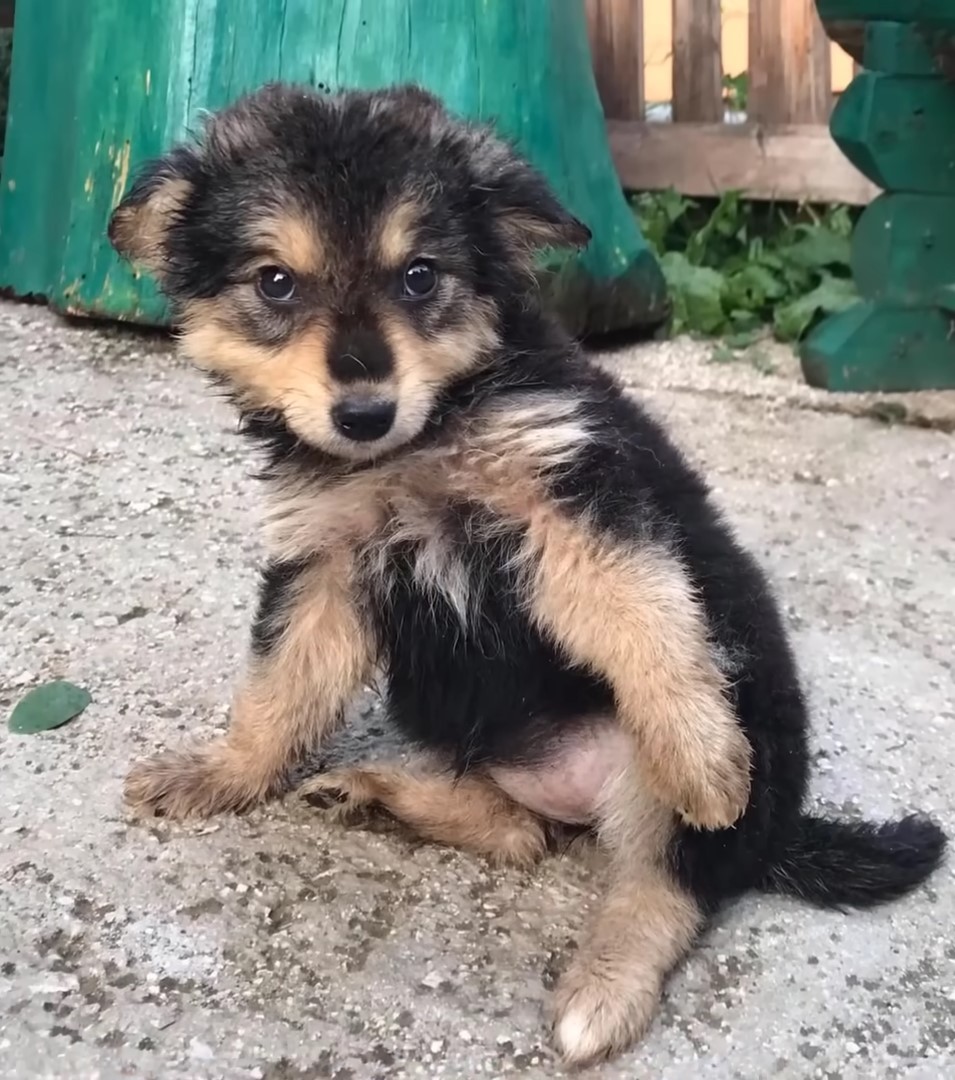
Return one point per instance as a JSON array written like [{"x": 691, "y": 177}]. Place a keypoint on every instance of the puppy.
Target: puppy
[{"x": 457, "y": 497}]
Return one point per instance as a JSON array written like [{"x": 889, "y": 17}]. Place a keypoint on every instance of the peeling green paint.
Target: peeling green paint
[{"x": 138, "y": 74}]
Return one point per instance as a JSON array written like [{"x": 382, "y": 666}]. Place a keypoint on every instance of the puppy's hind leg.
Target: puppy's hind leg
[
  {"x": 468, "y": 812},
  {"x": 609, "y": 995}
]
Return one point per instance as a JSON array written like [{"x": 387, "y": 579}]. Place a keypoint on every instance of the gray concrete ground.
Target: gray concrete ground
[{"x": 278, "y": 947}]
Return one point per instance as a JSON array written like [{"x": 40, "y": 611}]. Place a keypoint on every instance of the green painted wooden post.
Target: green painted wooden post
[
  {"x": 130, "y": 78},
  {"x": 896, "y": 123}
]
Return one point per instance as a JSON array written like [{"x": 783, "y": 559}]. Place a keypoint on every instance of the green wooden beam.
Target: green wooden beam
[
  {"x": 896, "y": 122},
  {"x": 899, "y": 131},
  {"x": 875, "y": 347},
  {"x": 927, "y": 11},
  {"x": 902, "y": 249},
  {"x": 900, "y": 49}
]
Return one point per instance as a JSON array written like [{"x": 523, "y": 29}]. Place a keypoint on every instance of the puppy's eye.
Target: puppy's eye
[
  {"x": 421, "y": 279},
  {"x": 277, "y": 284}
]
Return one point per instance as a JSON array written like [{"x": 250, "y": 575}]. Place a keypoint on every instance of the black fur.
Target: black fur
[
  {"x": 499, "y": 693},
  {"x": 491, "y": 689}
]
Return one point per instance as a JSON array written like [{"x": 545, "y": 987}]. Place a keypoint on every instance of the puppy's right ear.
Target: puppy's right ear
[{"x": 139, "y": 226}]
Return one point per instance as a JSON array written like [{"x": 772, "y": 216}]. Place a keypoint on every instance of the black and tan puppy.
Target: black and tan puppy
[{"x": 458, "y": 498}]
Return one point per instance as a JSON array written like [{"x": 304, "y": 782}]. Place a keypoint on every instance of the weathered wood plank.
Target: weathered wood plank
[
  {"x": 789, "y": 63},
  {"x": 615, "y": 28},
  {"x": 795, "y": 163},
  {"x": 697, "y": 61}
]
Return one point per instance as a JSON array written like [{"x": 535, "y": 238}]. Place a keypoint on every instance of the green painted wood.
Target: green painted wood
[
  {"x": 945, "y": 298},
  {"x": 899, "y": 131},
  {"x": 896, "y": 123},
  {"x": 898, "y": 49},
  {"x": 875, "y": 347},
  {"x": 903, "y": 249},
  {"x": 130, "y": 78},
  {"x": 925, "y": 11}
]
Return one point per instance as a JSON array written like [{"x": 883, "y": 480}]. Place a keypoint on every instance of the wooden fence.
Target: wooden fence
[{"x": 783, "y": 149}]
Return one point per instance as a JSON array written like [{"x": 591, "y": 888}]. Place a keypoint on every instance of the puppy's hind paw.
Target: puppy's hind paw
[
  {"x": 598, "y": 1018},
  {"x": 344, "y": 793}
]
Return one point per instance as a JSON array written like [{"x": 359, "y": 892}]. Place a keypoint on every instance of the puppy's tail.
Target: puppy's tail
[{"x": 837, "y": 864}]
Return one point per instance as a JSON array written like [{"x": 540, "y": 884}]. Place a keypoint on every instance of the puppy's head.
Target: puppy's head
[{"x": 338, "y": 260}]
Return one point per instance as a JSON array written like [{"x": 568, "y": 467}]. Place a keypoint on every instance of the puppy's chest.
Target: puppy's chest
[
  {"x": 468, "y": 672},
  {"x": 444, "y": 561}
]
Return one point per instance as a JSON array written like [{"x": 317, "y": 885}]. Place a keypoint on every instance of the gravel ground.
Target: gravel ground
[{"x": 276, "y": 946}]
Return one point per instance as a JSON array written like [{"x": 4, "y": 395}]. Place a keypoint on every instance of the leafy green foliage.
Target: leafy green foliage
[
  {"x": 734, "y": 267},
  {"x": 736, "y": 91},
  {"x": 48, "y": 706}
]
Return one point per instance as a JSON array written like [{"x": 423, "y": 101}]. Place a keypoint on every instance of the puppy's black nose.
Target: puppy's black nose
[{"x": 363, "y": 421}]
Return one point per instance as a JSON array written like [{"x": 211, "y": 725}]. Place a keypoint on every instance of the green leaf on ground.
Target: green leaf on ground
[
  {"x": 723, "y": 354},
  {"x": 48, "y": 706},
  {"x": 697, "y": 294},
  {"x": 794, "y": 320},
  {"x": 744, "y": 339}
]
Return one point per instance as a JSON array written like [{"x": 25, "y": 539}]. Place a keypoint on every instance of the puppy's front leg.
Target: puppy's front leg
[
  {"x": 310, "y": 653},
  {"x": 629, "y": 613}
]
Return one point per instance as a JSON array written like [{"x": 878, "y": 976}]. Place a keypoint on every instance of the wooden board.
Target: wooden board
[
  {"x": 697, "y": 61},
  {"x": 798, "y": 163},
  {"x": 615, "y": 28},
  {"x": 790, "y": 65}
]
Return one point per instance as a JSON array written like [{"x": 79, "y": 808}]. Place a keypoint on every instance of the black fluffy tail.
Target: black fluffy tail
[{"x": 838, "y": 864}]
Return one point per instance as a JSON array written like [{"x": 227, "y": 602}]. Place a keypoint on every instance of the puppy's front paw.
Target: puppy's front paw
[
  {"x": 716, "y": 788},
  {"x": 596, "y": 1016},
  {"x": 192, "y": 783}
]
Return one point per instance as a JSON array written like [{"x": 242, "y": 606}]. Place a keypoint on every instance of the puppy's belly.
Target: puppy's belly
[{"x": 569, "y": 784}]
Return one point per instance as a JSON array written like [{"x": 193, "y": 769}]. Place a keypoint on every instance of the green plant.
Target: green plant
[
  {"x": 734, "y": 266},
  {"x": 736, "y": 91}
]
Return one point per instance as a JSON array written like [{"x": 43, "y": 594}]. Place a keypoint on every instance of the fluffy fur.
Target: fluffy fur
[{"x": 517, "y": 544}]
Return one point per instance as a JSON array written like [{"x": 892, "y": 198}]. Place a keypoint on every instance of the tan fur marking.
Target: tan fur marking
[
  {"x": 138, "y": 232},
  {"x": 469, "y": 813},
  {"x": 632, "y": 616},
  {"x": 396, "y": 234},
  {"x": 291, "y": 240},
  {"x": 611, "y": 991},
  {"x": 290, "y": 699},
  {"x": 293, "y": 378},
  {"x": 499, "y": 460},
  {"x": 610, "y": 994},
  {"x": 432, "y": 360},
  {"x": 303, "y": 518}
]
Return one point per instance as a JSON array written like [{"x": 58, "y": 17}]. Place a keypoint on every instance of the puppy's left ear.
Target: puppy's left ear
[
  {"x": 531, "y": 216},
  {"x": 139, "y": 226}
]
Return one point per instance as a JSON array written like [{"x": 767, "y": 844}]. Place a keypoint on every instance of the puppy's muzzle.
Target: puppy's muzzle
[{"x": 363, "y": 420}]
